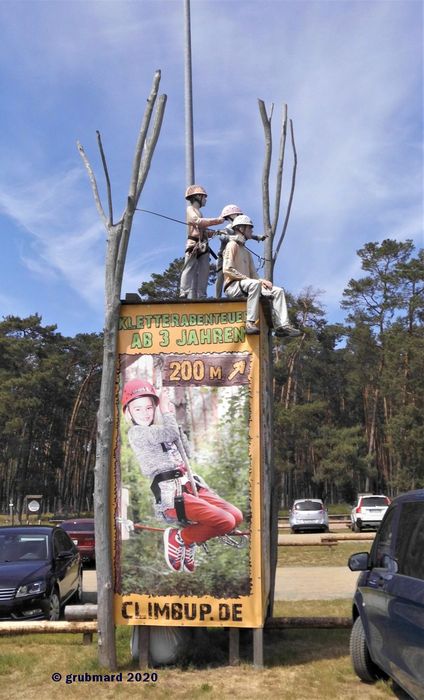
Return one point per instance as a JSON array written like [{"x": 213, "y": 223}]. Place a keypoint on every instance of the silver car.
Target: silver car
[{"x": 308, "y": 514}]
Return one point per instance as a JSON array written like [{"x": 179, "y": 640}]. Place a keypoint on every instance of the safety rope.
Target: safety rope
[
  {"x": 236, "y": 533},
  {"x": 261, "y": 260}
]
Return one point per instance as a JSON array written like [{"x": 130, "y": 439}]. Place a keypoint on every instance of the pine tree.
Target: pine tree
[{"x": 164, "y": 286}]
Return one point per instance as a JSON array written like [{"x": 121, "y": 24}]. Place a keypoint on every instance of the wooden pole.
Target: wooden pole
[
  {"x": 188, "y": 83},
  {"x": 234, "y": 646},
  {"x": 258, "y": 647},
  {"x": 46, "y": 627}
]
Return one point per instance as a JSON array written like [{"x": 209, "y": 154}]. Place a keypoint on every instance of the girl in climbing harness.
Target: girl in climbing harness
[{"x": 201, "y": 516}]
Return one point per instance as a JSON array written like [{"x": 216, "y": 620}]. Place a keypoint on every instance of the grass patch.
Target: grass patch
[
  {"x": 341, "y": 607},
  {"x": 321, "y": 556},
  {"x": 298, "y": 663}
]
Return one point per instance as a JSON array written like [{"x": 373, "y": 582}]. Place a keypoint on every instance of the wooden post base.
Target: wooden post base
[
  {"x": 143, "y": 646},
  {"x": 258, "y": 647}
]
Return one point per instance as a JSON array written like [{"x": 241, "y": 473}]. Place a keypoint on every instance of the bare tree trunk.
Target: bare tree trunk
[
  {"x": 117, "y": 243},
  {"x": 270, "y": 226}
]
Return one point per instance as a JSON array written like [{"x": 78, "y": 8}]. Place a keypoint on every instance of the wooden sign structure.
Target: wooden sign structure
[{"x": 218, "y": 378}]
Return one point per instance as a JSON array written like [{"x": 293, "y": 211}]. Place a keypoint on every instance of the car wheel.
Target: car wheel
[
  {"x": 356, "y": 527},
  {"x": 363, "y": 665},
  {"x": 52, "y": 606}
]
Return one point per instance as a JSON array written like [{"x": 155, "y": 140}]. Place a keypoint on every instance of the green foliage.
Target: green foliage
[
  {"x": 49, "y": 389},
  {"x": 349, "y": 400},
  {"x": 164, "y": 286},
  {"x": 221, "y": 573},
  {"x": 341, "y": 459},
  {"x": 167, "y": 285}
]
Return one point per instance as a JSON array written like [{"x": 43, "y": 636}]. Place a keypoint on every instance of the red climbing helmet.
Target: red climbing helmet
[{"x": 137, "y": 388}]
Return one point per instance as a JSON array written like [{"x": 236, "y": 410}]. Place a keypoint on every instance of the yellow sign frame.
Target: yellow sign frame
[{"x": 191, "y": 330}]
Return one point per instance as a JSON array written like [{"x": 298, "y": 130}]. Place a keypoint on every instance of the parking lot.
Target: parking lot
[{"x": 293, "y": 582}]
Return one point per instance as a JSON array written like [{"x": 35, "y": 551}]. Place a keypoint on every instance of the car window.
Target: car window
[
  {"x": 383, "y": 541},
  {"x": 410, "y": 542},
  {"x": 374, "y": 501},
  {"x": 62, "y": 542},
  {"x": 23, "y": 547},
  {"x": 308, "y": 505}
]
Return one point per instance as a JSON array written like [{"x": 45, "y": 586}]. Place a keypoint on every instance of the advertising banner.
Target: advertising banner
[{"x": 188, "y": 531}]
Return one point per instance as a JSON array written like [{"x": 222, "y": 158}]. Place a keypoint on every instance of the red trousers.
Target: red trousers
[{"x": 211, "y": 516}]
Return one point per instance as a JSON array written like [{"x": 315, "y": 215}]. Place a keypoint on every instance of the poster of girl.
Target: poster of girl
[{"x": 193, "y": 512}]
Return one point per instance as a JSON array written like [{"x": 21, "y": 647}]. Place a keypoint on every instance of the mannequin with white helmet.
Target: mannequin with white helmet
[
  {"x": 229, "y": 213},
  {"x": 194, "y": 277},
  {"x": 241, "y": 279}
]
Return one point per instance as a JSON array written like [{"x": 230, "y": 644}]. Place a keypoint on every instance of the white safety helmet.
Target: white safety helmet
[
  {"x": 242, "y": 220},
  {"x": 230, "y": 209}
]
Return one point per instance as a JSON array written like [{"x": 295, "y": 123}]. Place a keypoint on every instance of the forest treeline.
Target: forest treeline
[
  {"x": 49, "y": 393},
  {"x": 348, "y": 398}
]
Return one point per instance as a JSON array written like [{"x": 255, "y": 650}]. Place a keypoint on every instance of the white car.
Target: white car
[
  {"x": 369, "y": 511},
  {"x": 308, "y": 514}
]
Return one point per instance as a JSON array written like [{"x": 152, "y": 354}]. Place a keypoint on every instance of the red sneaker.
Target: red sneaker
[
  {"x": 174, "y": 548},
  {"x": 189, "y": 563}
]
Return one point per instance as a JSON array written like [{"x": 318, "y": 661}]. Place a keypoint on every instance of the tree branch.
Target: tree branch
[
  {"x": 142, "y": 137},
  {"x": 280, "y": 166},
  {"x": 151, "y": 145},
  {"x": 293, "y": 183},
  {"x": 109, "y": 193},
  {"x": 267, "y": 165},
  {"x": 93, "y": 184}
]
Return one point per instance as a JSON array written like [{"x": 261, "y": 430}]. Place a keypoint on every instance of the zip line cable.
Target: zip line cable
[
  {"x": 184, "y": 223},
  {"x": 162, "y": 216}
]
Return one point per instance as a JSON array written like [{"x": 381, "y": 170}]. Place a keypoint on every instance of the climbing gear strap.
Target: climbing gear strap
[
  {"x": 164, "y": 476},
  {"x": 180, "y": 509}
]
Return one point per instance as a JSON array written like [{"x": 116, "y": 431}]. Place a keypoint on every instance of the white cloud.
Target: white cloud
[
  {"x": 350, "y": 72},
  {"x": 64, "y": 242}
]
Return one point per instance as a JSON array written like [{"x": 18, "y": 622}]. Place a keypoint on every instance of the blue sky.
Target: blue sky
[{"x": 351, "y": 73}]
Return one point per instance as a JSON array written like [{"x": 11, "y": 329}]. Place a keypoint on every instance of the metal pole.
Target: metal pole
[{"x": 188, "y": 92}]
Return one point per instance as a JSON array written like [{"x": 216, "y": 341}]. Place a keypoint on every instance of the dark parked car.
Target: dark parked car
[
  {"x": 388, "y": 608},
  {"x": 81, "y": 532},
  {"x": 40, "y": 570}
]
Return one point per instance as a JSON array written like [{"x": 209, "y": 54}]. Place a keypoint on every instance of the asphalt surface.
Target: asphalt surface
[
  {"x": 291, "y": 583},
  {"x": 314, "y": 583}
]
